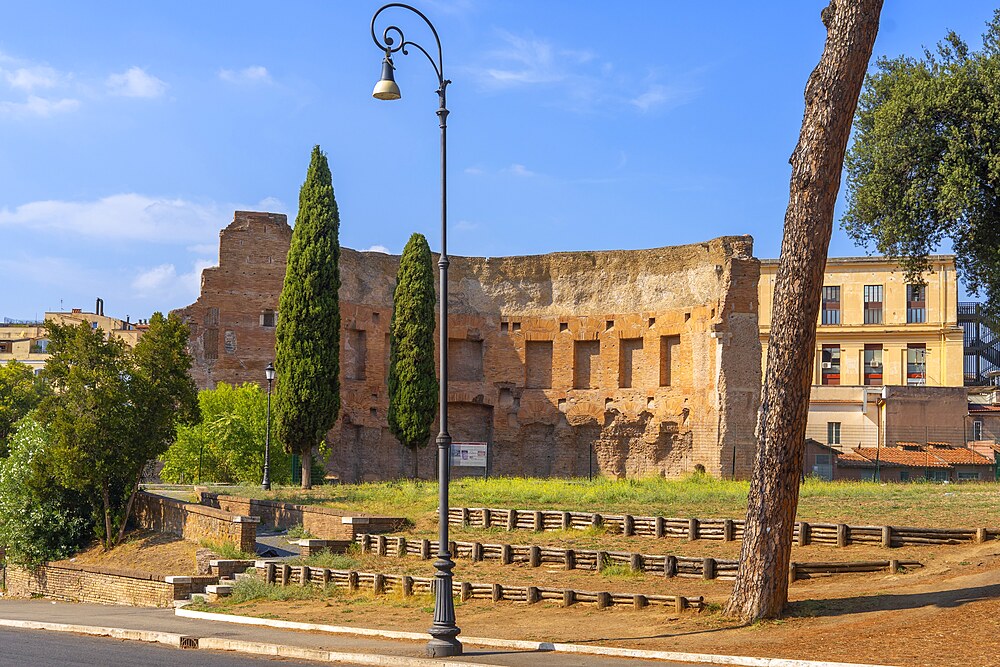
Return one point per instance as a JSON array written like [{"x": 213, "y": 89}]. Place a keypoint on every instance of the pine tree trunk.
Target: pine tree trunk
[
  {"x": 307, "y": 459},
  {"x": 106, "y": 499},
  {"x": 831, "y": 96}
]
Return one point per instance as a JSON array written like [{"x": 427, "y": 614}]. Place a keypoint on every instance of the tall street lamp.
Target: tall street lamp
[
  {"x": 444, "y": 633},
  {"x": 266, "y": 484}
]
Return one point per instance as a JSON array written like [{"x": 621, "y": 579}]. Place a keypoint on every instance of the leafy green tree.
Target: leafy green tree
[
  {"x": 925, "y": 163},
  {"x": 413, "y": 386},
  {"x": 307, "y": 346},
  {"x": 39, "y": 519},
  {"x": 228, "y": 445},
  {"x": 20, "y": 392},
  {"x": 113, "y": 409}
]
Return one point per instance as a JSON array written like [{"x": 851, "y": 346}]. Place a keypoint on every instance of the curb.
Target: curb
[
  {"x": 221, "y": 644},
  {"x": 518, "y": 644}
]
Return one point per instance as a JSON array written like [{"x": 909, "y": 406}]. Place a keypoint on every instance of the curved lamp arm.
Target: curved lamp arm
[{"x": 393, "y": 41}]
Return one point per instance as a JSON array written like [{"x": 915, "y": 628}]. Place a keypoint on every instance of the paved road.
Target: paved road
[{"x": 42, "y": 648}]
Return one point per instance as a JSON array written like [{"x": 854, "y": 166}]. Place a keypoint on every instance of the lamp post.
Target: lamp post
[
  {"x": 444, "y": 633},
  {"x": 266, "y": 484}
]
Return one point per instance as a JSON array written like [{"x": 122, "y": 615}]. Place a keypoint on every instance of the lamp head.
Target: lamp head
[
  {"x": 386, "y": 88},
  {"x": 269, "y": 371}
]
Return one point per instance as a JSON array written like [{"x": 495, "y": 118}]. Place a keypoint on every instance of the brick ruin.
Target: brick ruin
[{"x": 623, "y": 363}]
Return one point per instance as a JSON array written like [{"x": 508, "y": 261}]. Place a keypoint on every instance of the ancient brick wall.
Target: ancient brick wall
[
  {"x": 195, "y": 522},
  {"x": 623, "y": 363},
  {"x": 85, "y": 583}
]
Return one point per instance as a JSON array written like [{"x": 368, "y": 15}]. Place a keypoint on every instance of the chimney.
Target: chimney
[{"x": 99, "y": 307}]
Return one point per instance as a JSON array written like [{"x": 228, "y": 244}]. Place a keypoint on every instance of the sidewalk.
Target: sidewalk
[{"x": 164, "y": 626}]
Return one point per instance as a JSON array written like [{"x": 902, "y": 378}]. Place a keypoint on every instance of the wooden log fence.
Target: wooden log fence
[
  {"x": 406, "y": 585},
  {"x": 727, "y": 530},
  {"x": 666, "y": 565}
]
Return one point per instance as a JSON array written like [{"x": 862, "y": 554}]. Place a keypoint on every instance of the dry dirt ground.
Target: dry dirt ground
[
  {"x": 947, "y": 613},
  {"x": 145, "y": 551}
]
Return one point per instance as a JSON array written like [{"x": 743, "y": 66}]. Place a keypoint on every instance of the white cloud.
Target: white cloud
[
  {"x": 378, "y": 248},
  {"x": 38, "y": 106},
  {"x": 474, "y": 171},
  {"x": 658, "y": 95},
  {"x": 466, "y": 225},
  {"x": 124, "y": 217},
  {"x": 163, "y": 283},
  {"x": 252, "y": 74},
  {"x": 30, "y": 78},
  {"x": 520, "y": 170},
  {"x": 154, "y": 279},
  {"x": 135, "y": 82}
]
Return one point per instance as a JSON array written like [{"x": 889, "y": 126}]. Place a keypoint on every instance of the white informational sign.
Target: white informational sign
[{"x": 468, "y": 454}]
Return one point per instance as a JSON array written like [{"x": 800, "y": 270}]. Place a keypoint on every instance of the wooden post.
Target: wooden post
[
  {"x": 381, "y": 545},
  {"x": 567, "y": 521},
  {"x": 465, "y": 591},
  {"x": 379, "y": 585},
  {"x": 635, "y": 562},
  {"x": 506, "y": 554},
  {"x": 304, "y": 576},
  {"x": 533, "y": 595},
  {"x": 804, "y": 536},
  {"x": 366, "y": 543},
  {"x": 569, "y": 557},
  {"x": 603, "y": 600},
  {"x": 487, "y": 516},
  {"x": 465, "y": 517},
  {"x": 680, "y": 603},
  {"x": 692, "y": 529},
  {"x": 452, "y": 548},
  {"x": 894, "y": 567},
  {"x": 597, "y": 520},
  {"x": 793, "y": 572},
  {"x": 425, "y": 549},
  {"x": 980, "y": 535},
  {"x": 628, "y": 525},
  {"x": 660, "y": 527},
  {"x": 286, "y": 574},
  {"x": 477, "y": 552},
  {"x": 539, "y": 522},
  {"x": 602, "y": 560},
  {"x": 497, "y": 593},
  {"x": 407, "y": 585},
  {"x": 269, "y": 573},
  {"x": 400, "y": 546},
  {"x": 326, "y": 577},
  {"x": 569, "y": 597},
  {"x": 708, "y": 568},
  {"x": 639, "y": 602},
  {"x": 842, "y": 535},
  {"x": 512, "y": 519},
  {"x": 887, "y": 537},
  {"x": 670, "y": 566},
  {"x": 534, "y": 556},
  {"x": 352, "y": 581},
  {"x": 728, "y": 530}
]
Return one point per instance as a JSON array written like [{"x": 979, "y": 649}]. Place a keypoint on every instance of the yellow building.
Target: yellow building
[
  {"x": 875, "y": 330},
  {"x": 26, "y": 342}
]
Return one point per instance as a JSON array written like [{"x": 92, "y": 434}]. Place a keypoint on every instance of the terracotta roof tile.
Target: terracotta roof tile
[
  {"x": 960, "y": 456},
  {"x": 902, "y": 457}
]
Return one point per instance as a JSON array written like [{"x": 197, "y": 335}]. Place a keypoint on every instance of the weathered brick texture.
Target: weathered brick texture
[
  {"x": 195, "y": 522},
  {"x": 85, "y": 583},
  {"x": 323, "y": 522},
  {"x": 623, "y": 363}
]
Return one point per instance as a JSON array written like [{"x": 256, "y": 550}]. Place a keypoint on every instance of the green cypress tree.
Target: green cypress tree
[
  {"x": 307, "y": 345},
  {"x": 413, "y": 385}
]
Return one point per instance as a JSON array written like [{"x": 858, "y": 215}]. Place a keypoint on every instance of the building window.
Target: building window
[
  {"x": 916, "y": 364},
  {"x": 268, "y": 319},
  {"x": 538, "y": 364},
  {"x": 355, "y": 354},
  {"x": 873, "y": 364},
  {"x": 904, "y": 475},
  {"x": 833, "y": 433},
  {"x": 968, "y": 476},
  {"x": 465, "y": 359},
  {"x": 937, "y": 475},
  {"x": 830, "y": 364},
  {"x": 629, "y": 361},
  {"x": 916, "y": 304},
  {"x": 873, "y": 304},
  {"x": 586, "y": 364},
  {"x": 831, "y": 305},
  {"x": 977, "y": 429},
  {"x": 669, "y": 358}
]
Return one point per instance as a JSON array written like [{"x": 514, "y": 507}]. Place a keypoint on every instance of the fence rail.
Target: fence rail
[
  {"x": 727, "y": 530},
  {"x": 584, "y": 559},
  {"x": 402, "y": 584}
]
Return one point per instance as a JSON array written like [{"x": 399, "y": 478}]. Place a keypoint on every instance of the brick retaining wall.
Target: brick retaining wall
[
  {"x": 87, "y": 583},
  {"x": 323, "y": 522},
  {"x": 195, "y": 522}
]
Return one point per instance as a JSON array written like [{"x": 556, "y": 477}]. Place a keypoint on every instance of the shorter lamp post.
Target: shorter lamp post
[{"x": 266, "y": 484}]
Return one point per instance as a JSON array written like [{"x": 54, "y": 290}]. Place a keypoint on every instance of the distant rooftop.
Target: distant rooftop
[{"x": 867, "y": 259}]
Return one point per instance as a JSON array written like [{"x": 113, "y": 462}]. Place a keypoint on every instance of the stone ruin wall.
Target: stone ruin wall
[{"x": 622, "y": 363}]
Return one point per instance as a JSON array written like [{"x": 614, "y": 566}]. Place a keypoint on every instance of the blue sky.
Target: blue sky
[{"x": 130, "y": 131}]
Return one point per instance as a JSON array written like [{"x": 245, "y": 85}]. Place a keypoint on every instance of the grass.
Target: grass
[
  {"x": 227, "y": 550},
  {"x": 960, "y": 505},
  {"x": 344, "y": 561},
  {"x": 298, "y": 532},
  {"x": 620, "y": 571}
]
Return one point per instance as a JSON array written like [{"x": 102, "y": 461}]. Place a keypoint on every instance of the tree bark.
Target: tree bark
[
  {"x": 831, "y": 96},
  {"x": 307, "y": 459},
  {"x": 416, "y": 462},
  {"x": 106, "y": 498},
  {"x": 128, "y": 509}
]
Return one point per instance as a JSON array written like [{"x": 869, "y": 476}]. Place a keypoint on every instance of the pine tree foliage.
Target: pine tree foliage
[
  {"x": 925, "y": 164},
  {"x": 413, "y": 386},
  {"x": 307, "y": 350}
]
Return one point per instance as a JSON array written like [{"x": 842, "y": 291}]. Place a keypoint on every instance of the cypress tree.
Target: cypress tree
[
  {"x": 413, "y": 386},
  {"x": 307, "y": 338}
]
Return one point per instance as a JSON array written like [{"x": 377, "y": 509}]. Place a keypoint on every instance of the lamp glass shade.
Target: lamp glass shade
[
  {"x": 269, "y": 372},
  {"x": 386, "y": 88}
]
